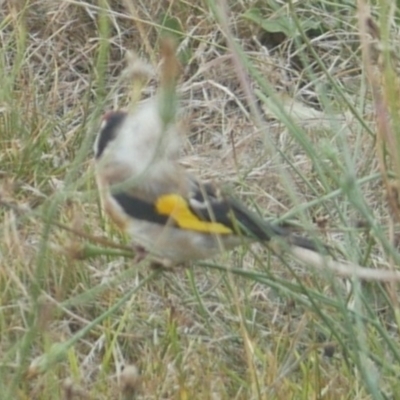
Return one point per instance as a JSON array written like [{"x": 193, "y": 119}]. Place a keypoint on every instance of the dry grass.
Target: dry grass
[{"x": 294, "y": 136}]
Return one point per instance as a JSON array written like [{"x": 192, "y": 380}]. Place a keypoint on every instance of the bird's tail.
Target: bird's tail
[{"x": 295, "y": 240}]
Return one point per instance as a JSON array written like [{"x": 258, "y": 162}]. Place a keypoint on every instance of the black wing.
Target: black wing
[
  {"x": 139, "y": 209},
  {"x": 211, "y": 205}
]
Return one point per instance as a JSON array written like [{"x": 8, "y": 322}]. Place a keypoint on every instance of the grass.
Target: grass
[{"x": 287, "y": 104}]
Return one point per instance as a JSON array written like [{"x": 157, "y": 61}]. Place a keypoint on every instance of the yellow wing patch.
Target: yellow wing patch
[{"x": 176, "y": 207}]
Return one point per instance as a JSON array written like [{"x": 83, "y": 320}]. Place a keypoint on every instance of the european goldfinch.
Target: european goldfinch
[{"x": 154, "y": 199}]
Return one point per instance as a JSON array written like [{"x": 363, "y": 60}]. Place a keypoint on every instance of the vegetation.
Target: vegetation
[{"x": 294, "y": 105}]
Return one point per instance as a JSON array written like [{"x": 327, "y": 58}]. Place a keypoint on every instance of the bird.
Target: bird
[{"x": 169, "y": 213}]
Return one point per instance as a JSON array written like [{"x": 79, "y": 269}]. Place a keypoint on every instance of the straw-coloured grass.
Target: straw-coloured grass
[{"x": 277, "y": 107}]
